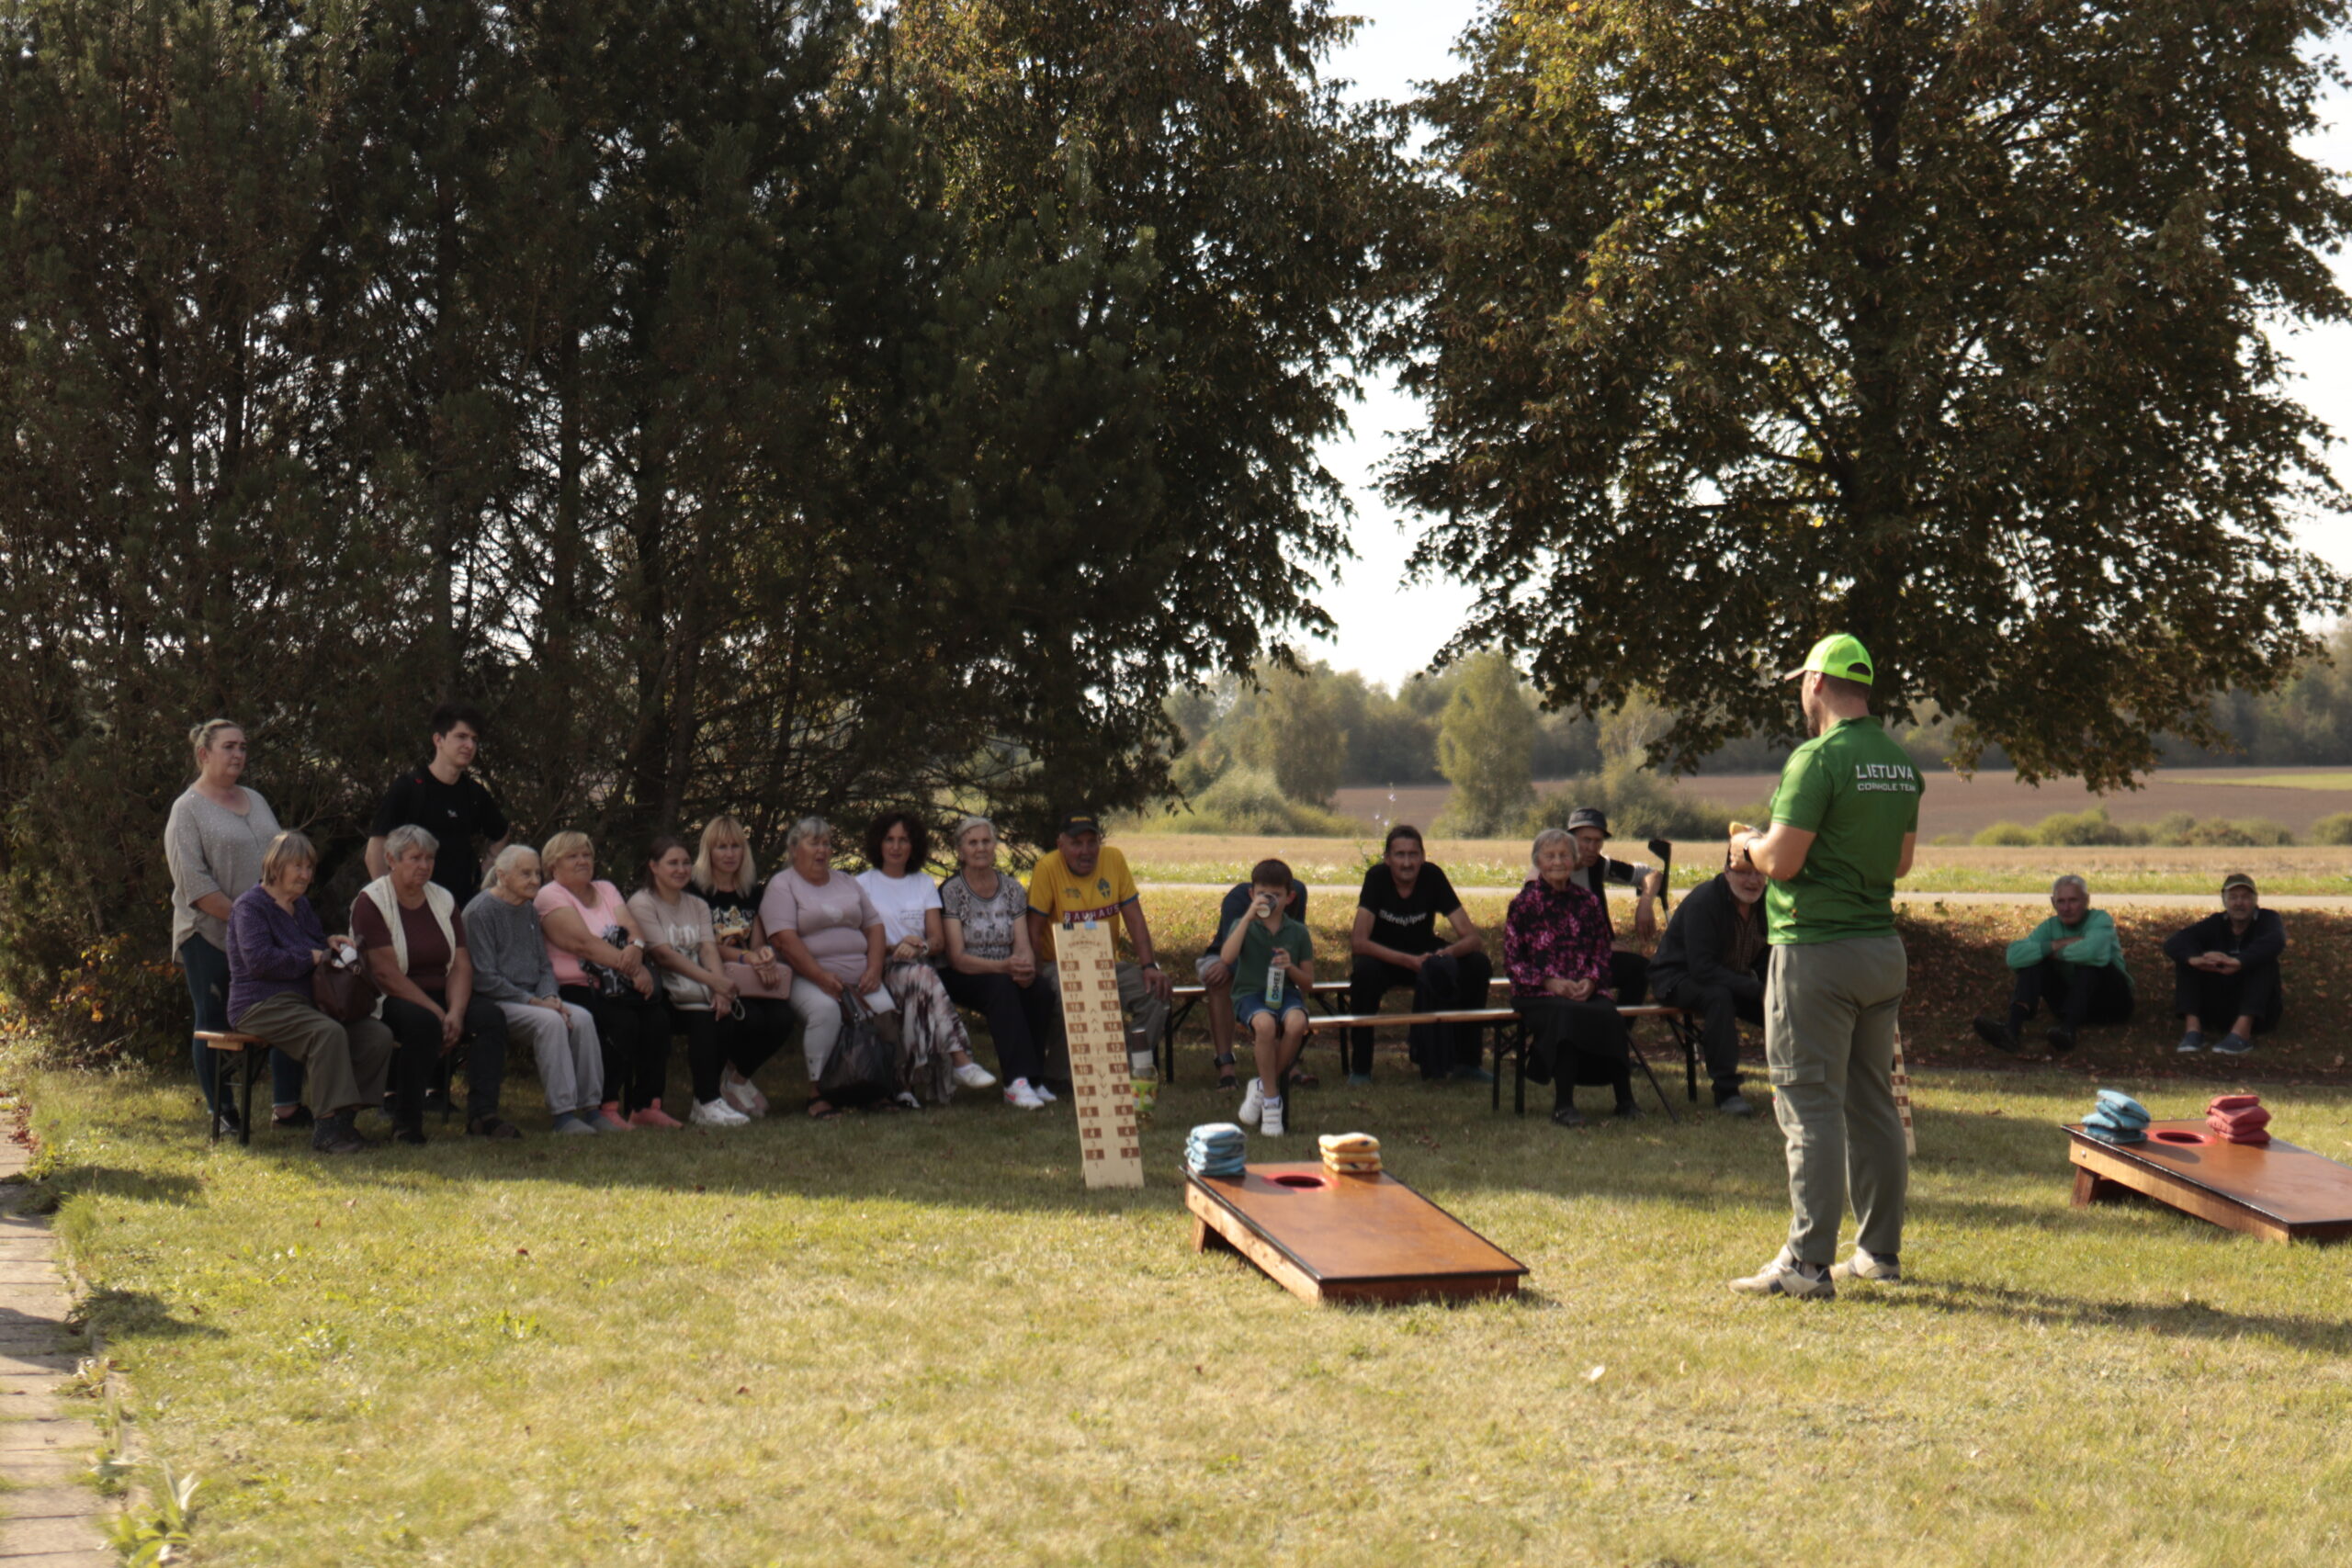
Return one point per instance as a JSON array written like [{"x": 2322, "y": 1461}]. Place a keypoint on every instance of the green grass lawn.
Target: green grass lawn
[{"x": 918, "y": 1339}]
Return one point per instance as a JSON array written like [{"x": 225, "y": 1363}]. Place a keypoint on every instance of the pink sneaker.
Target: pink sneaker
[
  {"x": 608, "y": 1119},
  {"x": 651, "y": 1116}
]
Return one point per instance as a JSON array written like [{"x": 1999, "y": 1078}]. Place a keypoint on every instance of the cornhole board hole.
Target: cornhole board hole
[
  {"x": 2275, "y": 1190},
  {"x": 1345, "y": 1238}
]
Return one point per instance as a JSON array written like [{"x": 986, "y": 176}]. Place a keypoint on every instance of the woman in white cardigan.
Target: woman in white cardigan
[{"x": 414, "y": 939}]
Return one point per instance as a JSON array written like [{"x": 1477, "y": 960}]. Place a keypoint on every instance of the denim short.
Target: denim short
[{"x": 1248, "y": 1006}]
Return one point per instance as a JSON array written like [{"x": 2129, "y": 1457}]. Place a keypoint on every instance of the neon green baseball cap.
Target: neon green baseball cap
[{"x": 1839, "y": 655}]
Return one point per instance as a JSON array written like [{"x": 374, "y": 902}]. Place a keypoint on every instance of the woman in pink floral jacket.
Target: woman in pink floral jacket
[{"x": 1555, "y": 950}]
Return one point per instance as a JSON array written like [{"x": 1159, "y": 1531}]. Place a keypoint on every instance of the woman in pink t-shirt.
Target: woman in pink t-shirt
[{"x": 599, "y": 959}]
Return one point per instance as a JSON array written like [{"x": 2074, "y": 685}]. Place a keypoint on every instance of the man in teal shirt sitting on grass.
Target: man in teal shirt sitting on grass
[{"x": 2074, "y": 961}]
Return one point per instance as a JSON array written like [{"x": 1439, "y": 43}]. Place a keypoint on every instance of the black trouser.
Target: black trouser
[
  {"x": 2216, "y": 1001},
  {"x": 1443, "y": 984},
  {"x": 1720, "y": 1009},
  {"x": 1629, "y": 976},
  {"x": 633, "y": 1033},
  {"x": 744, "y": 1039},
  {"x": 418, "y": 1058},
  {"x": 2077, "y": 993},
  {"x": 1016, "y": 1014},
  {"x": 1582, "y": 1043}
]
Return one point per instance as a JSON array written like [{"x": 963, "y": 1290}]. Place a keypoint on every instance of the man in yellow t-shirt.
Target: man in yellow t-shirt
[{"x": 1081, "y": 880}]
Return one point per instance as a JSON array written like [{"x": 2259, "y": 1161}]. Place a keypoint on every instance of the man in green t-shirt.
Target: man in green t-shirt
[{"x": 1845, "y": 820}]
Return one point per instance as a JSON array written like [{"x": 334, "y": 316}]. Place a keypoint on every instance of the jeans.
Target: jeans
[
  {"x": 2077, "y": 993},
  {"x": 633, "y": 1031},
  {"x": 419, "y": 1056},
  {"x": 1017, "y": 1017},
  {"x": 1443, "y": 984},
  {"x": 207, "y": 969}
]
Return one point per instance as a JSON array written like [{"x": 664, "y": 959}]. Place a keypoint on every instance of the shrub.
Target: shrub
[
  {"x": 2334, "y": 829},
  {"x": 2004, "y": 835},
  {"x": 2240, "y": 832},
  {"x": 1641, "y": 805},
  {"x": 2172, "y": 828},
  {"x": 1247, "y": 800},
  {"x": 2091, "y": 826}
]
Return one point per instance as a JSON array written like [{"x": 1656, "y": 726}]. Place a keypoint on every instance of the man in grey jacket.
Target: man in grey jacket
[{"x": 1714, "y": 960}]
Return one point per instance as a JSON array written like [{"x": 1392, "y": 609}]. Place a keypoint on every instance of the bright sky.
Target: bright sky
[{"x": 1388, "y": 632}]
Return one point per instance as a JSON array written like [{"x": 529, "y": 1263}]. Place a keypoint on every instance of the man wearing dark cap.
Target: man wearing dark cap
[
  {"x": 1629, "y": 973},
  {"x": 2226, "y": 967},
  {"x": 1082, "y": 879},
  {"x": 1845, "y": 821},
  {"x": 1714, "y": 962}
]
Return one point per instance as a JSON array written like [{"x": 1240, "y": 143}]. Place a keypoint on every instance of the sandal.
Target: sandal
[
  {"x": 1225, "y": 1079},
  {"x": 823, "y": 1110}
]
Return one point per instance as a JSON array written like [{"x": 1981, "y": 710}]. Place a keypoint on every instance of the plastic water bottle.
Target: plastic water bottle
[{"x": 1274, "y": 986}]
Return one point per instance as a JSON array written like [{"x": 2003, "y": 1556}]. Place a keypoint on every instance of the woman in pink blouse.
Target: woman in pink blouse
[{"x": 1555, "y": 950}]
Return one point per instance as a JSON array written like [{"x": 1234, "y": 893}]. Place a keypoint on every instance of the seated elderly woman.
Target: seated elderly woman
[
  {"x": 275, "y": 946},
  {"x": 1555, "y": 950},
  {"x": 990, "y": 965},
  {"x": 939, "y": 1052},
  {"x": 598, "y": 955},
  {"x": 511, "y": 971},
  {"x": 828, "y": 931},
  {"x": 704, "y": 999},
  {"x": 415, "y": 938},
  {"x": 729, "y": 880}
]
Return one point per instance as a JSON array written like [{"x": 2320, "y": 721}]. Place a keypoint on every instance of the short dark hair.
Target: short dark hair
[
  {"x": 1270, "y": 873},
  {"x": 1402, "y": 831},
  {"x": 917, "y": 838},
  {"x": 661, "y": 845},
  {"x": 449, "y": 716},
  {"x": 1837, "y": 686}
]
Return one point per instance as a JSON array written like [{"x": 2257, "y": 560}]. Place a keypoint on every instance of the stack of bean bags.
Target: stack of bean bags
[
  {"x": 1350, "y": 1154},
  {"x": 1214, "y": 1148},
  {"x": 2239, "y": 1119},
  {"x": 2117, "y": 1119}
]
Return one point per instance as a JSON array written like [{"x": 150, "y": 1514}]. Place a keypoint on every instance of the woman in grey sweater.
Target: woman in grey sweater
[
  {"x": 213, "y": 841},
  {"x": 510, "y": 969}
]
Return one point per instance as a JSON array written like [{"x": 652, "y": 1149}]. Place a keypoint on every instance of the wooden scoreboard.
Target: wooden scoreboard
[{"x": 1109, "y": 1147}]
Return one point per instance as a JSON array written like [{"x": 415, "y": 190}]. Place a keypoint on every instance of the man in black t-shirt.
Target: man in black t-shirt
[
  {"x": 1218, "y": 979},
  {"x": 447, "y": 802},
  {"x": 1396, "y": 943}
]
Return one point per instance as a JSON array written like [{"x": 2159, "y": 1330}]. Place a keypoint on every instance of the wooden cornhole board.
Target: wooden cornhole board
[
  {"x": 1345, "y": 1238},
  {"x": 2275, "y": 1190}
]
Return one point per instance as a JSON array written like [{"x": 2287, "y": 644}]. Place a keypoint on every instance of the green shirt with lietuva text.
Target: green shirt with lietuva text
[{"x": 1858, "y": 793}]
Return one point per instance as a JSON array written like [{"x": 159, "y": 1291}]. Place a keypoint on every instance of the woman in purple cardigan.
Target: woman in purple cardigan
[
  {"x": 275, "y": 944},
  {"x": 1555, "y": 950}
]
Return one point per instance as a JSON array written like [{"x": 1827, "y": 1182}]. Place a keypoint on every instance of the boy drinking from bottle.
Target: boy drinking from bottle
[{"x": 1273, "y": 962}]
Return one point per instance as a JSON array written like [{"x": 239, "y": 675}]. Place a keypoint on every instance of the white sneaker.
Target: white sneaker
[
  {"x": 741, "y": 1095},
  {"x": 717, "y": 1114},
  {"x": 1042, "y": 1092},
  {"x": 1270, "y": 1119},
  {"x": 1869, "y": 1266},
  {"x": 1253, "y": 1102},
  {"x": 1021, "y": 1097},
  {"x": 907, "y": 1098},
  {"x": 1784, "y": 1276},
  {"x": 971, "y": 1075}
]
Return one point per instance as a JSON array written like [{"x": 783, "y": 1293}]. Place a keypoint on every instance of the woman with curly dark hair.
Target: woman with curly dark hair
[{"x": 939, "y": 1050}]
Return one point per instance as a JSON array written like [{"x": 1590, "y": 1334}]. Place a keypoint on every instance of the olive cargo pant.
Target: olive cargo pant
[{"x": 1830, "y": 1017}]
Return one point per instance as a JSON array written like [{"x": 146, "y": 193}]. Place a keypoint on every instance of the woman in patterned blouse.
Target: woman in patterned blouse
[{"x": 1555, "y": 950}]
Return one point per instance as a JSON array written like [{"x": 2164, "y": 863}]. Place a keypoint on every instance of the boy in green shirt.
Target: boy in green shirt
[
  {"x": 2074, "y": 962},
  {"x": 1273, "y": 962}
]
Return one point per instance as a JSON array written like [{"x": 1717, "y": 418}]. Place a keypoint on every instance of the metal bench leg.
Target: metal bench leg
[
  {"x": 1689, "y": 1031},
  {"x": 1659, "y": 1089},
  {"x": 252, "y": 1056}
]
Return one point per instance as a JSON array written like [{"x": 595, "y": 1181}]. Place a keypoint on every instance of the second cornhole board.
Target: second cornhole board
[
  {"x": 1345, "y": 1238},
  {"x": 2275, "y": 1190}
]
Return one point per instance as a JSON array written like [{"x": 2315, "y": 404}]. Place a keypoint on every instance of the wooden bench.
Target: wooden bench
[
  {"x": 1685, "y": 1027},
  {"x": 249, "y": 1050}
]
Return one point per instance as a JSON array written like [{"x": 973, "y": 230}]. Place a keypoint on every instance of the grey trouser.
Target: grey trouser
[
  {"x": 571, "y": 1058},
  {"x": 1829, "y": 1015},
  {"x": 1146, "y": 1015},
  {"x": 344, "y": 1065}
]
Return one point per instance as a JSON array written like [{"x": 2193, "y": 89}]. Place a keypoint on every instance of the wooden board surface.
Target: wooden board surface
[
  {"x": 2278, "y": 1190},
  {"x": 1102, "y": 1087},
  {"x": 1327, "y": 1238}
]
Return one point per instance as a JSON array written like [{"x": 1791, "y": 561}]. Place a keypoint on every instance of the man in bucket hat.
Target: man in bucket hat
[{"x": 1845, "y": 821}]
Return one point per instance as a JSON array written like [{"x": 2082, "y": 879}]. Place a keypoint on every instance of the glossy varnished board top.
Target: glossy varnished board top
[
  {"x": 2288, "y": 1183},
  {"x": 1352, "y": 1227}
]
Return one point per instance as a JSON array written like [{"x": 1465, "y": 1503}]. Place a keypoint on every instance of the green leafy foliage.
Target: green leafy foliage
[
  {"x": 1485, "y": 743},
  {"x": 1935, "y": 321},
  {"x": 2174, "y": 829}
]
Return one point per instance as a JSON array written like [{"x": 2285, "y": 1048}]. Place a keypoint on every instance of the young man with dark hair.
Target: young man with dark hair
[
  {"x": 1396, "y": 943},
  {"x": 447, "y": 801}
]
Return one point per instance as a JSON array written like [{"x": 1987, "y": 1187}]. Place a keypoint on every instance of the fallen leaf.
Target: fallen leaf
[{"x": 1594, "y": 1375}]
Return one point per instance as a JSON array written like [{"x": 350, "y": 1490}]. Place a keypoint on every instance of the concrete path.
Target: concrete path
[{"x": 50, "y": 1518}]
